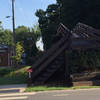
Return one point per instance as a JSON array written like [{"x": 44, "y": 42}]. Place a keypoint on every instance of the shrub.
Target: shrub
[{"x": 5, "y": 71}]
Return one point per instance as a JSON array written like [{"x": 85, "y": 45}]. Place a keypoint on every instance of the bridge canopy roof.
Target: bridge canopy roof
[{"x": 84, "y": 36}]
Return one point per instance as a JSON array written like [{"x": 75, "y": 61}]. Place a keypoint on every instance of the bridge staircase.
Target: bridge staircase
[{"x": 53, "y": 60}]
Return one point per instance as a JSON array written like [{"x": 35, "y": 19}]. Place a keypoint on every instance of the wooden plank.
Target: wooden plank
[
  {"x": 48, "y": 61},
  {"x": 50, "y": 51},
  {"x": 86, "y": 31}
]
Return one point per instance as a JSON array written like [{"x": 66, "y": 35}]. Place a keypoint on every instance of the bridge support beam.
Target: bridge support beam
[{"x": 68, "y": 78}]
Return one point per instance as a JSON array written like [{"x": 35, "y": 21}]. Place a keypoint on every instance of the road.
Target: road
[{"x": 91, "y": 94}]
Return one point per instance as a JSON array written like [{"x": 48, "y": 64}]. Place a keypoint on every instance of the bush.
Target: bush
[
  {"x": 84, "y": 60},
  {"x": 5, "y": 71},
  {"x": 13, "y": 75}
]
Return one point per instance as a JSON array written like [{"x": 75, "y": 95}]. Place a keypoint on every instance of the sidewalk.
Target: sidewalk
[{"x": 12, "y": 88}]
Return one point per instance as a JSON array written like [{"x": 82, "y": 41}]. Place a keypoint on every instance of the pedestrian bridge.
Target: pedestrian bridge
[{"x": 53, "y": 65}]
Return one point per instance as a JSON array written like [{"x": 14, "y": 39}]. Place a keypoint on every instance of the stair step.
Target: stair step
[
  {"x": 60, "y": 58},
  {"x": 40, "y": 79},
  {"x": 45, "y": 75},
  {"x": 53, "y": 66},
  {"x": 57, "y": 61},
  {"x": 38, "y": 83},
  {"x": 51, "y": 70}
]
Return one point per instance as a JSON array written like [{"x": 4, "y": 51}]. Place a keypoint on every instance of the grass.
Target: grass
[
  {"x": 46, "y": 88},
  {"x": 13, "y": 75},
  {"x": 43, "y": 88},
  {"x": 19, "y": 76}
]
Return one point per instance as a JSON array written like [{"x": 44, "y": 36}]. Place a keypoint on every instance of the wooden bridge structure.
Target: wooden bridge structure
[{"x": 53, "y": 65}]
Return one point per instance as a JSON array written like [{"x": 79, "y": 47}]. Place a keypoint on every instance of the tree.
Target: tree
[
  {"x": 68, "y": 12},
  {"x": 85, "y": 11},
  {"x": 1, "y": 28},
  {"x": 22, "y": 33},
  {"x": 48, "y": 23},
  {"x": 37, "y": 32},
  {"x": 28, "y": 38},
  {"x": 6, "y": 37},
  {"x": 19, "y": 52}
]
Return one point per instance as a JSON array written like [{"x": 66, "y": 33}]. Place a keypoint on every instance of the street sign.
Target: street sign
[{"x": 30, "y": 70}]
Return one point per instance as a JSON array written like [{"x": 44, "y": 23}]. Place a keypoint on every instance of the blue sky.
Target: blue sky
[{"x": 24, "y": 11}]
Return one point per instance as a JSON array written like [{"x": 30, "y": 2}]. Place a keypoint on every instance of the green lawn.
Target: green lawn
[
  {"x": 13, "y": 75},
  {"x": 46, "y": 88},
  {"x": 19, "y": 76}
]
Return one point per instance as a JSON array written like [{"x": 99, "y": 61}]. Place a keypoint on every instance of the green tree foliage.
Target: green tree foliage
[
  {"x": 85, "y": 11},
  {"x": 0, "y": 25},
  {"x": 68, "y": 12},
  {"x": 28, "y": 38},
  {"x": 37, "y": 32},
  {"x": 5, "y": 36},
  {"x": 19, "y": 52},
  {"x": 22, "y": 33},
  {"x": 81, "y": 61},
  {"x": 48, "y": 23}
]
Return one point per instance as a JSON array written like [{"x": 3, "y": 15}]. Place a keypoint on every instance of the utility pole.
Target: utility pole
[{"x": 13, "y": 24}]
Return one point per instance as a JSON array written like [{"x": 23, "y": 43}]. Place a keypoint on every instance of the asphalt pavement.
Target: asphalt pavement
[
  {"x": 84, "y": 94},
  {"x": 91, "y": 94}
]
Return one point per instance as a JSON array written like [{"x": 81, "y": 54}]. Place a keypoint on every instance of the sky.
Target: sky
[{"x": 24, "y": 12}]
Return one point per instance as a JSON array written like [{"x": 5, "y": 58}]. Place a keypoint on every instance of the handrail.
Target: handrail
[
  {"x": 49, "y": 52},
  {"x": 51, "y": 59}
]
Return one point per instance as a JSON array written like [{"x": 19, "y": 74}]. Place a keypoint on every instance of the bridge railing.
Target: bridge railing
[{"x": 52, "y": 53}]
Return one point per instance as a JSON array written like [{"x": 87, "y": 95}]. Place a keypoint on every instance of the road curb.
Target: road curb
[{"x": 19, "y": 88}]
